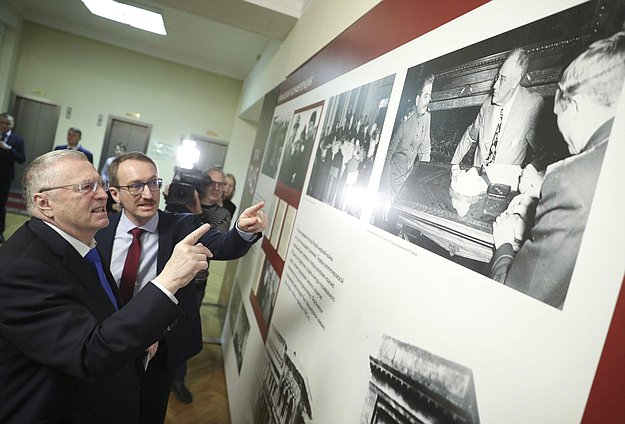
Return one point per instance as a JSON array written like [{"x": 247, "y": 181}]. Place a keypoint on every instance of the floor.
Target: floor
[{"x": 205, "y": 375}]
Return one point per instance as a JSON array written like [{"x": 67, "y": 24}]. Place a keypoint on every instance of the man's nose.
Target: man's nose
[{"x": 146, "y": 192}]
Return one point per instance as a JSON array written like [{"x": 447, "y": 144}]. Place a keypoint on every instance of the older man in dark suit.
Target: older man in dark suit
[
  {"x": 136, "y": 185},
  {"x": 70, "y": 350},
  {"x": 11, "y": 151},
  {"x": 585, "y": 104}
]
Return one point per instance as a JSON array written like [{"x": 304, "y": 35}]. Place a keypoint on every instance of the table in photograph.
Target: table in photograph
[{"x": 462, "y": 225}]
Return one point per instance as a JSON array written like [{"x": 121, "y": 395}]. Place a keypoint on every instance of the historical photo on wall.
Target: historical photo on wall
[
  {"x": 496, "y": 149},
  {"x": 298, "y": 147},
  {"x": 348, "y": 146},
  {"x": 235, "y": 304},
  {"x": 284, "y": 394},
  {"x": 241, "y": 333},
  {"x": 275, "y": 145},
  {"x": 412, "y": 385}
]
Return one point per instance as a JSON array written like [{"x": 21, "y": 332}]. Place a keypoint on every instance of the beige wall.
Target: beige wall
[{"x": 95, "y": 78}]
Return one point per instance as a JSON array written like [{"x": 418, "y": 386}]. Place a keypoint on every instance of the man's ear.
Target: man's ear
[
  {"x": 42, "y": 203},
  {"x": 115, "y": 194}
]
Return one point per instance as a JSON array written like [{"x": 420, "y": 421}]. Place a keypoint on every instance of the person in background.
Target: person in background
[
  {"x": 74, "y": 135},
  {"x": 585, "y": 105},
  {"x": 70, "y": 348},
  {"x": 206, "y": 206},
  {"x": 144, "y": 233},
  {"x": 11, "y": 151},
  {"x": 229, "y": 189},
  {"x": 120, "y": 148}
]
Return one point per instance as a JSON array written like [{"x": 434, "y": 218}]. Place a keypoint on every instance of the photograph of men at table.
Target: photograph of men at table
[
  {"x": 585, "y": 106},
  {"x": 507, "y": 122},
  {"x": 496, "y": 131}
]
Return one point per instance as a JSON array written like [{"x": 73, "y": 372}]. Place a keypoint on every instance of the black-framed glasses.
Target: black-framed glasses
[
  {"x": 135, "y": 189},
  {"x": 84, "y": 187}
]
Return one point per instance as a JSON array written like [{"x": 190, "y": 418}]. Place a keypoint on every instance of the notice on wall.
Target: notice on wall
[{"x": 436, "y": 217}]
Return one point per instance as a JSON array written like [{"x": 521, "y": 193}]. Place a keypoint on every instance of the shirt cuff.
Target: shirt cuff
[
  {"x": 244, "y": 234},
  {"x": 164, "y": 290}
]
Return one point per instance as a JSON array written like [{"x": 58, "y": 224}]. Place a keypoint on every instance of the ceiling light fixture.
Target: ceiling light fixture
[{"x": 126, "y": 14}]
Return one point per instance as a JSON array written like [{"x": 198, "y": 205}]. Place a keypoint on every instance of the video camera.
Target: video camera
[{"x": 184, "y": 184}]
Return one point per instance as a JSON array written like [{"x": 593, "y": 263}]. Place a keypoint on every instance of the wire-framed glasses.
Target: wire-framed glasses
[{"x": 84, "y": 187}]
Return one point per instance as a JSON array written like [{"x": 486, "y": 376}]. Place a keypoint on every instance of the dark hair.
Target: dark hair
[{"x": 75, "y": 130}]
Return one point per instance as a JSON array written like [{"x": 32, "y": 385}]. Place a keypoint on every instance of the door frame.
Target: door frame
[{"x": 107, "y": 134}]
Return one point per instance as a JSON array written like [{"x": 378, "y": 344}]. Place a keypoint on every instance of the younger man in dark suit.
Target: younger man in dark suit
[
  {"x": 11, "y": 151},
  {"x": 136, "y": 185}
]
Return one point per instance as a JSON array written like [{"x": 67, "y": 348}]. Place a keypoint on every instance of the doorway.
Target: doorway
[
  {"x": 133, "y": 134},
  {"x": 36, "y": 120},
  {"x": 212, "y": 152}
]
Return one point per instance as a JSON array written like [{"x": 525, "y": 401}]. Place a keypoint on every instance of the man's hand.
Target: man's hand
[
  {"x": 151, "y": 351},
  {"x": 187, "y": 259},
  {"x": 253, "y": 219},
  {"x": 509, "y": 228},
  {"x": 455, "y": 170},
  {"x": 530, "y": 181},
  {"x": 4, "y": 145}
]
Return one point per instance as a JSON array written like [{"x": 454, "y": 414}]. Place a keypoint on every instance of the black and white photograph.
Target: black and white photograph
[
  {"x": 235, "y": 304},
  {"x": 275, "y": 145},
  {"x": 284, "y": 394},
  {"x": 298, "y": 147},
  {"x": 267, "y": 291},
  {"x": 241, "y": 333},
  {"x": 412, "y": 385},
  {"x": 348, "y": 146},
  {"x": 497, "y": 148}
]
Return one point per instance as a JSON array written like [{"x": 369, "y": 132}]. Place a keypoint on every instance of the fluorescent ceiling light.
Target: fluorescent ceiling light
[{"x": 126, "y": 14}]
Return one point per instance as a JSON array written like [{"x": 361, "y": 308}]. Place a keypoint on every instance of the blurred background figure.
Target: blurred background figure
[
  {"x": 74, "y": 135},
  {"x": 11, "y": 151},
  {"x": 119, "y": 149},
  {"x": 229, "y": 189},
  {"x": 111, "y": 205}
]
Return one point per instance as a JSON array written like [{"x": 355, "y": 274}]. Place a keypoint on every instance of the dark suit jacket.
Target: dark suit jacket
[
  {"x": 66, "y": 356},
  {"x": 80, "y": 149},
  {"x": 185, "y": 340},
  {"x": 544, "y": 265},
  {"x": 9, "y": 157}
]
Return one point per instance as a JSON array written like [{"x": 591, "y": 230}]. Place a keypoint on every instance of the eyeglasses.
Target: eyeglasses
[
  {"x": 216, "y": 184},
  {"x": 84, "y": 188},
  {"x": 135, "y": 189},
  {"x": 500, "y": 78}
]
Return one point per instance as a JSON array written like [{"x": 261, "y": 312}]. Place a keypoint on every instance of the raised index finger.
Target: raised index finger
[
  {"x": 195, "y": 235},
  {"x": 255, "y": 208}
]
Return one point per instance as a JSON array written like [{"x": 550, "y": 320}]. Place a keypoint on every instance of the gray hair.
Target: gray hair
[
  {"x": 598, "y": 73},
  {"x": 42, "y": 173},
  {"x": 9, "y": 117}
]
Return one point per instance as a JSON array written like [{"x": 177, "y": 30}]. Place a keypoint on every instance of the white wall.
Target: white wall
[
  {"x": 95, "y": 78},
  {"x": 320, "y": 23}
]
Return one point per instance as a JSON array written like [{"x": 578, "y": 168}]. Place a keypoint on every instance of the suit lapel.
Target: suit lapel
[
  {"x": 165, "y": 239},
  {"x": 76, "y": 265}
]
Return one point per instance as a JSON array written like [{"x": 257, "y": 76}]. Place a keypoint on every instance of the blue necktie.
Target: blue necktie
[{"x": 93, "y": 257}]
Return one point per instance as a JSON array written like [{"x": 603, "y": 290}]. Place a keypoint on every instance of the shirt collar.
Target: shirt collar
[
  {"x": 125, "y": 224},
  {"x": 80, "y": 247}
]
